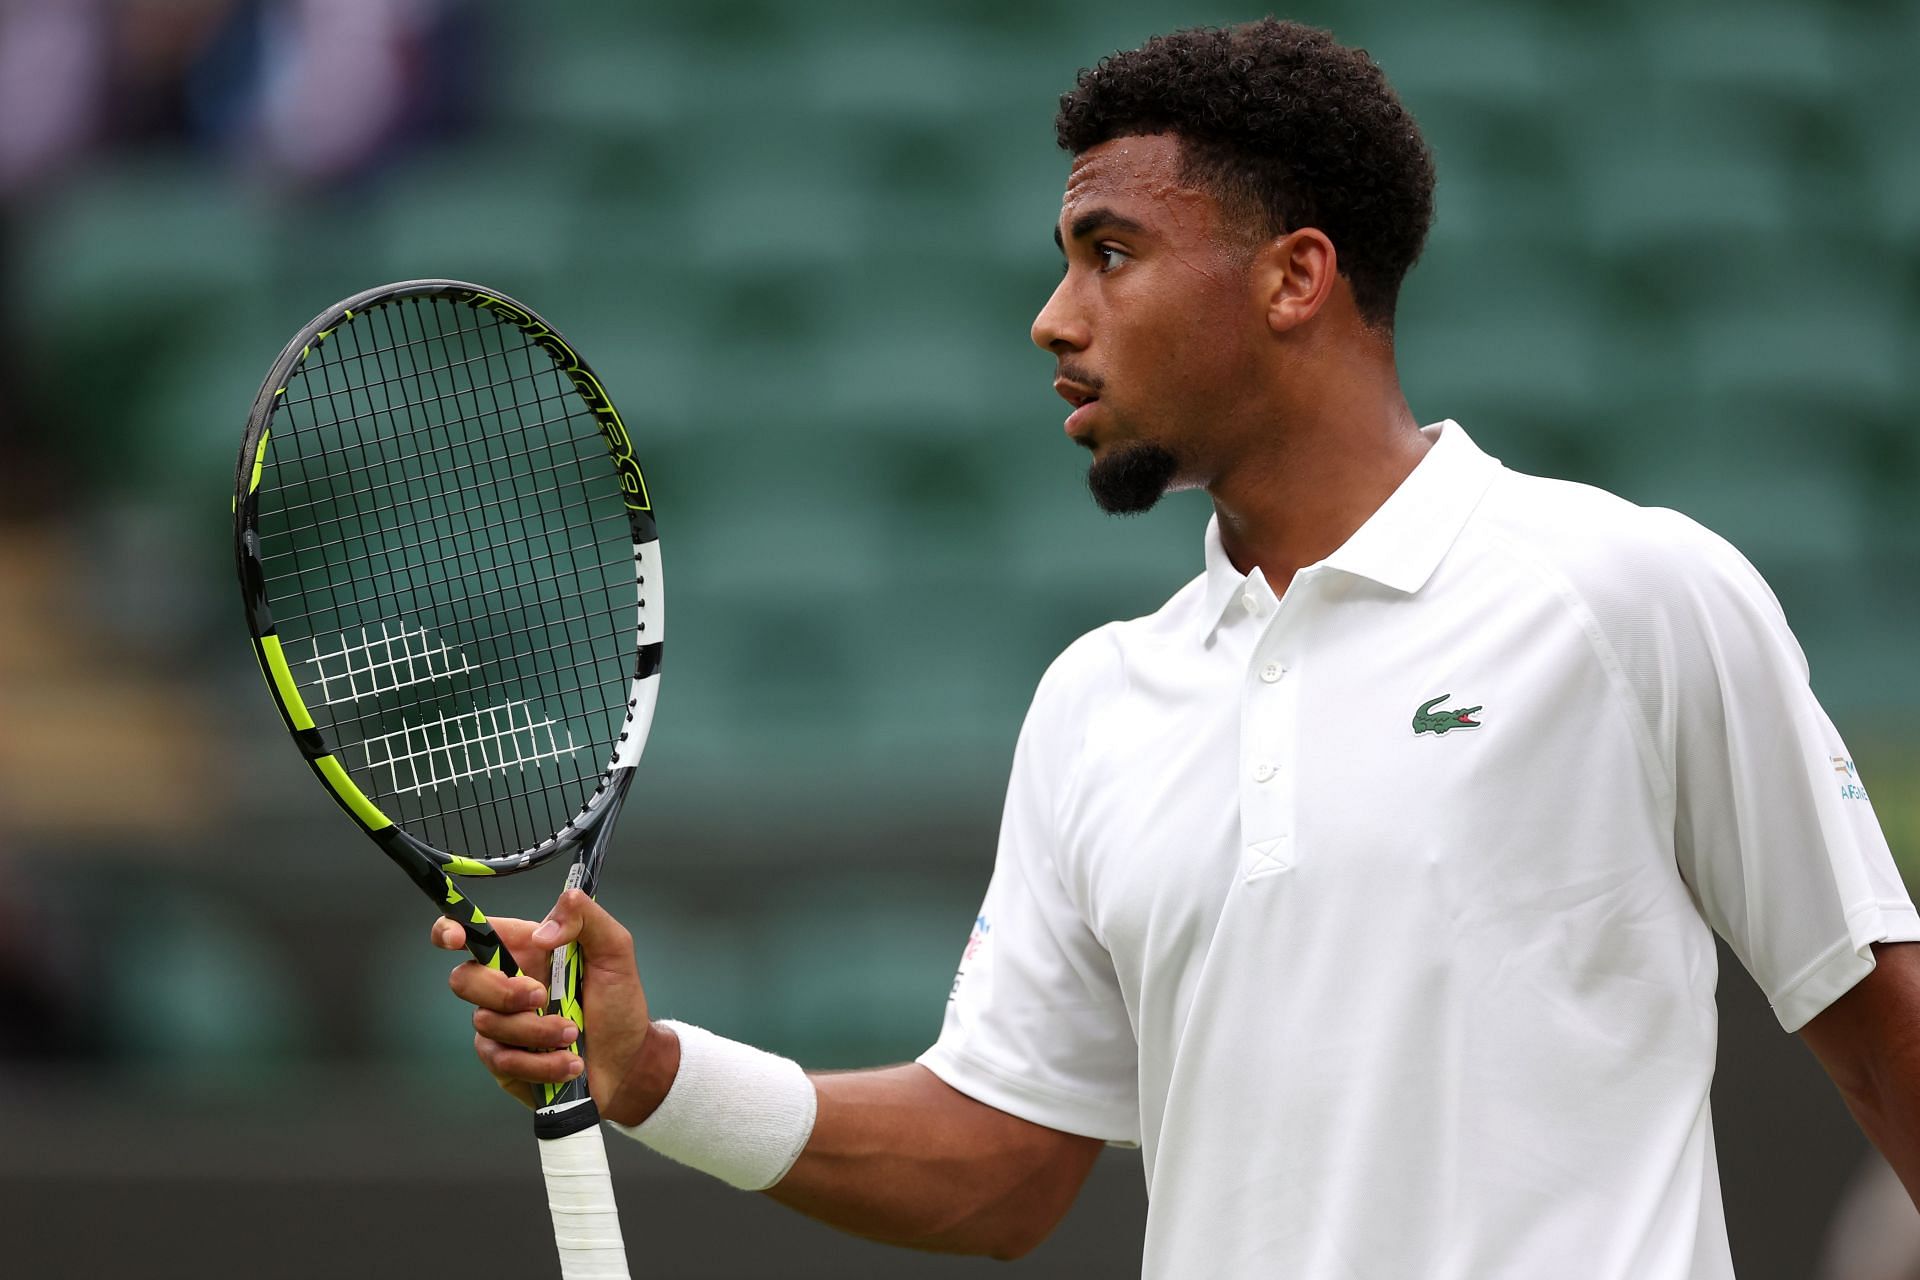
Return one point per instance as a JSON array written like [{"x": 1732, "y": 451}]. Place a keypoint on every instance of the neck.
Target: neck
[{"x": 1315, "y": 474}]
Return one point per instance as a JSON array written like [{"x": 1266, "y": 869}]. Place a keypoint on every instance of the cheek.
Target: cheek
[
  {"x": 1206, "y": 351},
  {"x": 1200, "y": 313},
  {"x": 1176, "y": 336}
]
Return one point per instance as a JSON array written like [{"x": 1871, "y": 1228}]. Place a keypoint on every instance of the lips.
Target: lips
[
  {"x": 1074, "y": 393},
  {"x": 1082, "y": 397},
  {"x": 1077, "y": 421},
  {"x": 1074, "y": 390}
]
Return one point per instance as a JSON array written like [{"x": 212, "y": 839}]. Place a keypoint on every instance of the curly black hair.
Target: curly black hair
[{"x": 1287, "y": 128}]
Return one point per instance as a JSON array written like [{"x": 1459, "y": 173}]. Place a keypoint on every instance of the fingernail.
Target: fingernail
[
  {"x": 536, "y": 998},
  {"x": 575, "y": 1067},
  {"x": 547, "y": 934},
  {"x": 570, "y": 1033}
]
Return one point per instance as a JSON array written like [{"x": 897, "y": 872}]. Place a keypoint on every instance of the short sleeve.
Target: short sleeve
[
  {"x": 1035, "y": 1025},
  {"x": 1773, "y": 828}
]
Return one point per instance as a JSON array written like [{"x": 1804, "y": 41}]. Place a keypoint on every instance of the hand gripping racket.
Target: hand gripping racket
[{"x": 452, "y": 580}]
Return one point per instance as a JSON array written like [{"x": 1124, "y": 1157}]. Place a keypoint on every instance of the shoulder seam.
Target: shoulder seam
[
  {"x": 1652, "y": 760},
  {"x": 1070, "y": 778}
]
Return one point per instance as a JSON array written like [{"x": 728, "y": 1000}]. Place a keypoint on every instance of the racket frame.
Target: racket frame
[{"x": 566, "y": 1108}]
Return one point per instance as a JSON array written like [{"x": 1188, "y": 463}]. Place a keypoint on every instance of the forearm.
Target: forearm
[
  {"x": 893, "y": 1154},
  {"x": 1869, "y": 1042},
  {"x": 896, "y": 1155},
  {"x": 1885, "y": 1101}
]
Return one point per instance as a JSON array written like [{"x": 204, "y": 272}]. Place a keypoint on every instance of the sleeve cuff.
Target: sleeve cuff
[
  {"x": 1831, "y": 976},
  {"x": 1115, "y": 1121}
]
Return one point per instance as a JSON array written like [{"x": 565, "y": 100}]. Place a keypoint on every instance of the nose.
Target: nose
[{"x": 1059, "y": 328}]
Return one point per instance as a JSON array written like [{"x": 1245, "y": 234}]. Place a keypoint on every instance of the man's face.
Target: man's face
[{"x": 1155, "y": 323}]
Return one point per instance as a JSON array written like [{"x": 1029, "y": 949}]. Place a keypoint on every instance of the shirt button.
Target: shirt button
[
  {"x": 1272, "y": 671},
  {"x": 1263, "y": 772},
  {"x": 1250, "y": 602}
]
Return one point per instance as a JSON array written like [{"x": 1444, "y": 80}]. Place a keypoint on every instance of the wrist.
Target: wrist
[
  {"x": 649, "y": 1077},
  {"x": 731, "y": 1110}
]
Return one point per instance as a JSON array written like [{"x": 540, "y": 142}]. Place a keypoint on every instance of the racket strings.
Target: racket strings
[
  {"x": 537, "y": 824},
  {"x": 571, "y": 635},
  {"x": 507, "y": 524},
  {"x": 435, "y": 472},
  {"x": 409, "y": 666},
  {"x": 612, "y": 482},
  {"x": 535, "y": 365},
  {"x": 575, "y": 668}
]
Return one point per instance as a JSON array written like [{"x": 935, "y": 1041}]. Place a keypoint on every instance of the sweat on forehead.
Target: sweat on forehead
[
  {"x": 1149, "y": 159},
  {"x": 1142, "y": 178}
]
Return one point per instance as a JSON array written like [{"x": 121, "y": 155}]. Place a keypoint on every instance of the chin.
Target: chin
[{"x": 1129, "y": 478}]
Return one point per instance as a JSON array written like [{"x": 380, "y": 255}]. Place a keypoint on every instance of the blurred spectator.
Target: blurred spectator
[
  {"x": 264, "y": 79},
  {"x": 308, "y": 94},
  {"x": 53, "y": 83}
]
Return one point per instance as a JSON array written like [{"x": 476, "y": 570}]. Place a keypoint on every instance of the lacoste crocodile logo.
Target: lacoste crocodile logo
[{"x": 1427, "y": 720}]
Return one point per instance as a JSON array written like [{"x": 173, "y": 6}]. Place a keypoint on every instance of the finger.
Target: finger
[
  {"x": 491, "y": 989},
  {"x": 448, "y": 933},
  {"x": 517, "y": 1064},
  {"x": 517, "y": 934},
  {"x": 526, "y": 1030},
  {"x": 578, "y": 918}
]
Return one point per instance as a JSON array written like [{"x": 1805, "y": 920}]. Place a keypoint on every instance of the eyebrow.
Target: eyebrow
[{"x": 1093, "y": 220}]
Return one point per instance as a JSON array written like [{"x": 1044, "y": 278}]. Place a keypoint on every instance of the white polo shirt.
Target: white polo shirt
[{"x": 1381, "y": 914}]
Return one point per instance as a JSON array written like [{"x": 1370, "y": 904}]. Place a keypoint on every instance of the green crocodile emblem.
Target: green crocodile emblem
[{"x": 1427, "y": 720}]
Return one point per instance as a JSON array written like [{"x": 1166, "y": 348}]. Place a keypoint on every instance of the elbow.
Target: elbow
[
  {"x": 1017, "y": 1225},
  {"x": 1003, "y": 1230},
  {"x": 1002, "y": 1239},
  {"x": 1014, "y": 1252},
  {"x": 1013, "y": 1246}
]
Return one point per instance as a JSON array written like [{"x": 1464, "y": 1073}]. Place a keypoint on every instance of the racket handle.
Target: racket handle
[
  {"x": 586, "y": 1223},
  {"x": 484, "y": 944}
]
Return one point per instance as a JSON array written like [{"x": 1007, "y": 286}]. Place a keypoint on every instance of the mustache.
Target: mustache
[{"x": 1085, "y": 377}]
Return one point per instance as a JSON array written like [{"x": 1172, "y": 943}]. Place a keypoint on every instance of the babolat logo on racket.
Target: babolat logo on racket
[{"x": 612, "y": 430}]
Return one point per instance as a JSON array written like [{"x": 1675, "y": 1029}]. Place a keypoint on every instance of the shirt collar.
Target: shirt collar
[{"x": 1402, "y": 543}]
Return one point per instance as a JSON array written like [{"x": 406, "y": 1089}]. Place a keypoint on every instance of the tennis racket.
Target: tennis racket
[{"x": 452, "y": 580}]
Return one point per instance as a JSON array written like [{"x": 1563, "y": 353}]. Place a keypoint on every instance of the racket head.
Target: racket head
[{"x": 450, "y": 565}]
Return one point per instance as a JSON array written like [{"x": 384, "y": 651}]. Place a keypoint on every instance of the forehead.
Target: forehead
[{"x": 1139, "y": 176}]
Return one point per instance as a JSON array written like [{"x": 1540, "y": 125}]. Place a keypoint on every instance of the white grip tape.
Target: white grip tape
[
  {"x": 739, "y": 1113},
  {"x": 586, "y": 1225}
]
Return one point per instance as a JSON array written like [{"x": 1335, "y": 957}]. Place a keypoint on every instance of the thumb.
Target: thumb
[{"x": 578, "y": 918}]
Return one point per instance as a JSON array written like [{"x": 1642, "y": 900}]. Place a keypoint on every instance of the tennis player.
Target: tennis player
[{"x": 1370, "y": 885}]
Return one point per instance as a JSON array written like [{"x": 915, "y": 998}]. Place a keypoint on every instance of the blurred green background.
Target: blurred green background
[{"x": 1677, "y": 255}]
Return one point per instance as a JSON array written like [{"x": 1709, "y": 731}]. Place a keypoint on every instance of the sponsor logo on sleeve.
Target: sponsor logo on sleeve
[
  {"x": 976, "y": 943},
  {"x": 1850, "y": 788}
]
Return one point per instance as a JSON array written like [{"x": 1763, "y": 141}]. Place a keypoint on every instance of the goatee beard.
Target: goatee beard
[{"x": 1131, "y": 479}]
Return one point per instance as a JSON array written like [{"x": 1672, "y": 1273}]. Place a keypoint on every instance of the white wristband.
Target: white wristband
[{"x": 734, "y": 1111}]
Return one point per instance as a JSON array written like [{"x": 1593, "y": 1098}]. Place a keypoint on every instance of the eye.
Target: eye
[{"x": 1110, "y": 257}]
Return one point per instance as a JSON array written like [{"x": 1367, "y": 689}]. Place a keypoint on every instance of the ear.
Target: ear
[{"x": 1296, "y": 274}]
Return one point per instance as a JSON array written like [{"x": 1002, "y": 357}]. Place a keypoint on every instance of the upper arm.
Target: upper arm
[
  {"x": 1773, "y": 830},
  {"x": 898, "y": 1155},
  {"x": 1052, "y": 1163},
  {"x": 1037, "y": 1023}
]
